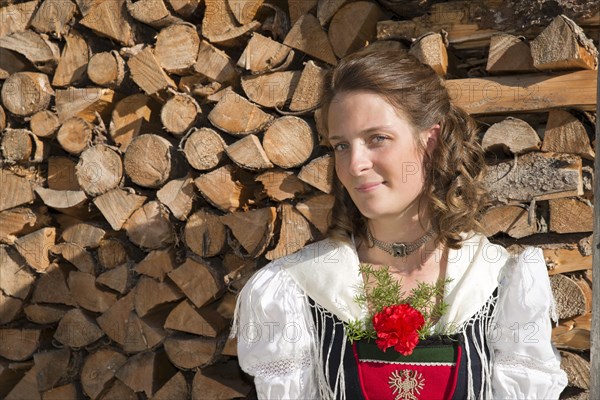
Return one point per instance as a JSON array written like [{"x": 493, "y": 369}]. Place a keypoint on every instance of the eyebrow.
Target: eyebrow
[{"x": 372, "y": 129}]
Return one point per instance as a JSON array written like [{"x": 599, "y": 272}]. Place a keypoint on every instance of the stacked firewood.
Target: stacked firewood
[{"x": 156, "y": 153}]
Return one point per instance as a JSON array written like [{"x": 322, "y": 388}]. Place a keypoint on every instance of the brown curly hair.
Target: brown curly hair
[{"x": 453, "y": 193}]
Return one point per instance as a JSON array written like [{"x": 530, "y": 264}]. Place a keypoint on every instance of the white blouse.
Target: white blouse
[{"x": 276, "y": 333}]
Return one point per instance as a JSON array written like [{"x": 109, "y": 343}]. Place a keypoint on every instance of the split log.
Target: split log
[
  {"x": 52, "y": 366},
  {"x": 237, "y": 116},
  {"x": 222, "y": 382},
  {"x": 34, "y": 247},
  {"x": 226, "y": 306},
  {"x": 326, "y": 9},
  {"x": 16, "y": 281},
  {"x": 51, "y": 287},
  {"x": 147, "y": 73},
  {"x": 272, "y": 89},
  {"x": 114, "y": 321},
  {"x": 566, "y": 134},
  {"x": 26, "y": 388},
  {"x": 149, "y": 227},
  {"x": 106, "y": 69},
  {"x": 263, "y": 55},
  {"x": 9, "y": 377},
  {"x": 563, "y": 45},
  {"x": 430, "y": 49},
  {"x": 244, "y": 11},
  {"x": 219, "y": 25},
  {"x": 65, "y": 392},
  {"x": 214, "y": 64},
  {"x": 205, "y": 234},
  {"x": 534, "y": 177},
  {"x": 45, "y": 313},
  {"x": 197, "y": 281},
  {"x": 204, "y": 322},
  {"x": 570, "y": 298},
  {"x": 145, "y": 372},
  {"x": 248, "y": 153},
  {"x": 131, "y": 116},
  {"x": 16, "y": 17},
  {"x": 111, "y": 253},
  {"x": 577, "y": 369},
  {"x": 353, "y": 26},
  {"x": 185, "y": 8},
  {"x": 76, "y": 329},
  {"x": 198, "y": 85},
  {"x": 43, "y": 123},
  {"x": 288, "y": 142},
  {"x": 220, "y": 188},
  {"x": 319, "y": 173},
  {"x": 119, "y": 391},
  {"x": 149, "y": 160},
  {"x": 253, "y": 229},
  {"x": 85, "y": 103},
  {"x": 25, "y": 93},
  {"x": 75, "y": 135},
  {"x": 66, "y": 201},
  {"x": 175, "y": 389},
  {"x": 101, "y": 19},
  {"x": 309, "y": 90},
  {"x": 99, "y": 369},
  {"x": 41, "y": 52},
  {"x": 87, "y": 295},
  {"x": 204, "y": 149},
  {"x": 190, "y": 351},
  {"x": 571, "y": 215},
  {"x": 151, "y": 12},
  {"x": 62, "y": 174},
  {"x": 513, "y": 135},
  {"x": 177, "y": 48},
  {"x": 178, "y": 196},
  {"x": 118, "y": 279},
  {"x": 16, "y": 190},
  {"x": 239, "y": 270},
  {"x": 307, "y": 36},
  {"x": 77, "y": 255},
  {"x": 317, "y": 210},
  {"x": 22, "y": 146},
  {"x": 151, "y": 295},
  {"x": 74, "y": 58},
  {"x": 523, "y": 93},
  {"x": 281, "y": 185},
  {"x": 179, "y": 114},
  {"x": 509, "y": 53},
  {"x": 512, "y": 220},
  {"x": 299, "y": 8},
  {"x": 10, "y": 308},
  {"x": 143, "y": 334},
  {"x": 117, "y": 205},
  {"x": 13, "y": 221},
  {"x": 293, "y": 235},
  {"x": 19, "y": 344},
  {"x": 157, "y": 264},
  {"x": 99, "y": 170},
  {"x": 12, "y": 63},
  {"x": 561, "y": 260}
]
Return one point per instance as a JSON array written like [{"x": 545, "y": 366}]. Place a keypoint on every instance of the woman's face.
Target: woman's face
[{"x": 376, "y": 156}]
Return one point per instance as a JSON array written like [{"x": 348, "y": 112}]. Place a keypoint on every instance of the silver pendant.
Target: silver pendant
[{"x": 398, "y": 249}]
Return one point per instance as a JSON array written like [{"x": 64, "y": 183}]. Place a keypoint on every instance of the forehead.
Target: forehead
[{"x": 353, "y": 112}]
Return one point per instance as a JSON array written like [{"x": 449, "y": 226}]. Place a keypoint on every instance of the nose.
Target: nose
[{"x": 360, "y": 161}]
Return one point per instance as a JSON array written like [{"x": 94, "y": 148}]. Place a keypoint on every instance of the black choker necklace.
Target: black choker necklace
[{"x": 400, "y": 249}]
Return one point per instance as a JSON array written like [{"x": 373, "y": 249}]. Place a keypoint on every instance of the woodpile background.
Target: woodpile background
[{"x": 155, "y": 153}]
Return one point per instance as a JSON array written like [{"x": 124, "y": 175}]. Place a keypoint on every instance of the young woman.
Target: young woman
[{"x": 408, "y": 188}]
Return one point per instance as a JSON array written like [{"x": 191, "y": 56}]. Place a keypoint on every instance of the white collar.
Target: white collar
[{"x": 328, "y": 272}]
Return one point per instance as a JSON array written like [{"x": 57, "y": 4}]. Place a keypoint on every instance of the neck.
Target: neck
[{"x": 399, "y": 229}]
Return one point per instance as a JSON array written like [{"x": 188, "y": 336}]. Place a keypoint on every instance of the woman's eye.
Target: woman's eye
[
  {"x": 379, "y": 138},
  {"x": 340, "y": 146}
]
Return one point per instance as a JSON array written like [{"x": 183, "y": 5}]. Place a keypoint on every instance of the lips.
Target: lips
[{"x": 368, "y": 187}]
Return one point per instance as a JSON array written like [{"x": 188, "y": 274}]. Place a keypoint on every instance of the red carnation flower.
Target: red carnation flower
[{"x": 397, "y": 327}]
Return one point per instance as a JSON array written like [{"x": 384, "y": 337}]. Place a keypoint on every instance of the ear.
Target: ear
[{"x": 431, "y": 137}]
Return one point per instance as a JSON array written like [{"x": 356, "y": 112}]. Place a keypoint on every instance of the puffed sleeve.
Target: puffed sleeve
[
  {"x": 273, "y": 325},
  {"x": 526, "y": 364}
]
